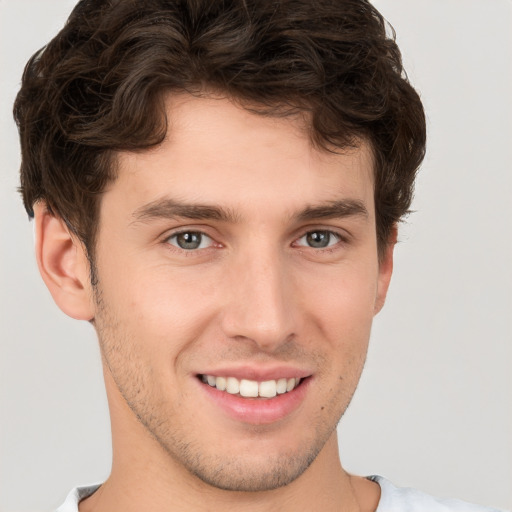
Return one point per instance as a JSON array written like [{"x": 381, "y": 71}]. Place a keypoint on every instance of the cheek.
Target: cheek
[
  {"x": 343, "y": 303},
  {"x": 160, "y": 309},
  {"x": 341, "y": 313}
]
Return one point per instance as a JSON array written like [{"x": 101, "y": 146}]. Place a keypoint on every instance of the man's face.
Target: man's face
[{"x": 236, "y": 253}]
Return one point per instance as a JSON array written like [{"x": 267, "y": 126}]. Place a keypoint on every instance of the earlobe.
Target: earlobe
[
  {"x": 385, "y": 270},
  {"x": 63, "y": 264}
]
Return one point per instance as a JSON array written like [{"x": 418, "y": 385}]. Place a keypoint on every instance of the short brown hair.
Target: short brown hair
[{"x": 98, "y": 88}]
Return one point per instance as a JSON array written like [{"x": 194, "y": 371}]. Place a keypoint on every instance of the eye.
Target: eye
[
  {"x": 319, "y": 239},
  {"x": 190, "y": 240}
]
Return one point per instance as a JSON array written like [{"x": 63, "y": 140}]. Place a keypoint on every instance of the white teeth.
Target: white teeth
[
  {"x": 248, "y": 388},
  {"x": 221, "y": 383},
  {"x": 251, "y": 388},
  {"x": 281, "y": 386},
  {"x": 232, "y": 385},
  {"x": 268, "y": 388}
]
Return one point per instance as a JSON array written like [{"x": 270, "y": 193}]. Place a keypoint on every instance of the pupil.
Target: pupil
[
  {"x": 189, "y": 240},
  {"x": 318, "y": 239}
]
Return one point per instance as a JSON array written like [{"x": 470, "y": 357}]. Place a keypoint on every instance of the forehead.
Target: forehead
[{"x": 216, "y": 152}]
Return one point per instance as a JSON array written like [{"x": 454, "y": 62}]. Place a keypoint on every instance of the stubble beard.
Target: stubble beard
[
  {"x": 230, "y": 473},
  {"x": 235, "y": 473}
]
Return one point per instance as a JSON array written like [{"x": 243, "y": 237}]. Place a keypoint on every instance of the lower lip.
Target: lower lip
[{"x": 258, "y": 411}]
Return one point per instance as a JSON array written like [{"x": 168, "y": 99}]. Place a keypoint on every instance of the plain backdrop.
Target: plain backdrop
[{"x": 433, "y": 409}]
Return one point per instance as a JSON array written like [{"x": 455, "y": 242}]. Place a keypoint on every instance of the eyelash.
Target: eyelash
[
  {"x": 331, "y": 234},
  {"x": 190, "y": 232},
  {"x": 339, "y": 240}
]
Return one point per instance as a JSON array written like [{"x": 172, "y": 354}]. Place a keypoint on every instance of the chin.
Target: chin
[{"x": 240, "y": 475}]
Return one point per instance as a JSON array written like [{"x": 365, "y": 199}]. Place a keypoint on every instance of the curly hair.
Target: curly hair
[{"x": 98, "y": 87}]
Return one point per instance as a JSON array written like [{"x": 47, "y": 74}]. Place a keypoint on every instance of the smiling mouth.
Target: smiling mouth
[{"x": 250, "y": 388}]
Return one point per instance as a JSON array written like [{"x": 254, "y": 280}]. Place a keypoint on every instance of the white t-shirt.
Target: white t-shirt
[{"x": 392, "y": 499}]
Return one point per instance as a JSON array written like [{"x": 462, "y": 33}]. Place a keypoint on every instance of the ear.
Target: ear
[
  {"x": 63, "y": 264},
  {"x": 385, "y": 270}
]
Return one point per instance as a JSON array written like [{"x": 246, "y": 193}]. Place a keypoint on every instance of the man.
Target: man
[{"x": 216, "y": 189}]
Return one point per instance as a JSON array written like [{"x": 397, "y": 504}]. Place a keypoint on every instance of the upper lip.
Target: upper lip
[{"x": 260, "y": 374}]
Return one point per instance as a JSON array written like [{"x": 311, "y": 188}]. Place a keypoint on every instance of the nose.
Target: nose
[{"x": 260, "y": 306}]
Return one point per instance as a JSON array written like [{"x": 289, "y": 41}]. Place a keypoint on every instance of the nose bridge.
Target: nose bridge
[{"x": 260, "y": 307}]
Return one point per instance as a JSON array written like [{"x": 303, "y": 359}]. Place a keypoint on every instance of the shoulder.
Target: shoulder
[
  {"x": 406, "y": 499},
  {"x": 75, "y": 496}
]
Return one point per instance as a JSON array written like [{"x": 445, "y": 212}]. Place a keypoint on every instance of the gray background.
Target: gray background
[{"x": 433, "y": 409}]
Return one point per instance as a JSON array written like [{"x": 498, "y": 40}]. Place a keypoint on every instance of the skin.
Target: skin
[{"x": 254, "y": 294}]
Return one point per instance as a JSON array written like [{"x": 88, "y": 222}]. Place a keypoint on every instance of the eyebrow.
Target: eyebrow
[
  {"x": 171, "y": 208},
  {"x": 334, "y": 210}
]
